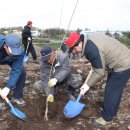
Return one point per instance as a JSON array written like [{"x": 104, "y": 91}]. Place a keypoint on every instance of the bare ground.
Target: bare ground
[{"x": 36, "y": 104}]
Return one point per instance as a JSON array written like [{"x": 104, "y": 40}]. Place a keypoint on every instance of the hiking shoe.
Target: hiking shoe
[
  {"x": 101, "y": 122},
  {"x": 50, "y": 98},
  {"x": 18, "y": 101}
]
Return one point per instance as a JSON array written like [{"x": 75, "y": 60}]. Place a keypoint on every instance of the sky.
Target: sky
[{"x": 97, "y": 15}]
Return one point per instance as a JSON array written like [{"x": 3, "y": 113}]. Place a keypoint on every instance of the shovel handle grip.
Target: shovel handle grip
[
  {"x": 7, "y": 100},
  {"x": 27, "y": 46},
  {"x": 9, "y": 103},
  {"x": 78, "y": 98}
]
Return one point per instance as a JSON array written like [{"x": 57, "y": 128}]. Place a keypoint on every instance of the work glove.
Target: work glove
[
  {"x": 52, "y": 82},
  {"x": 84, "y": 89},
  {"x": 4, "y": 92},
  {"x": 50, "y": 98},
  {"x": 29, "y": 39}
]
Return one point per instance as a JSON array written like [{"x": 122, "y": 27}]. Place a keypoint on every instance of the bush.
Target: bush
[
  {"x": 125, "y": 41},
  {"x": 42, "y": 40}
]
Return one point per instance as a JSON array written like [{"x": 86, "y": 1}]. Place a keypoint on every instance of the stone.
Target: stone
[
  {"x": 2, "y": 106},
  {"x": 37, "y": 85},
  {"x": 79, "y": 71},
  {"x": 27, "y": 82}
]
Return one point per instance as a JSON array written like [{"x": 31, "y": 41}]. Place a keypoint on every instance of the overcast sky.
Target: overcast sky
[{"x": 93, "y": 14}]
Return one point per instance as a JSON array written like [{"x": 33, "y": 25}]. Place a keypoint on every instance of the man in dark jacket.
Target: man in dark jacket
[
  {"x": 27, "y": 40},
  {"x": 105, "y": 54},
  {"x": 12, "y": 53},
  {"x": 55, "y": 70}
]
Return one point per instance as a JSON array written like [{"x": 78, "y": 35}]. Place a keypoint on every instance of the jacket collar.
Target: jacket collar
[{"x": 84, "y": 45}]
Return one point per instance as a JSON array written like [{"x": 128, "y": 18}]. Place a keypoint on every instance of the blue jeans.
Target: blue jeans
[
  {"x": 115, "y": 84},
  {"x": 18, "y": 90}
]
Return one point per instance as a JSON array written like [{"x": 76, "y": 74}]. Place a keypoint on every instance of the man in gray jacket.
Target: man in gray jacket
[
  {"x": 55, "y": 69},
  {"x": 105, "y": 54}
]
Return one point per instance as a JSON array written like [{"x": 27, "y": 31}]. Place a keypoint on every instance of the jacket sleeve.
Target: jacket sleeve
[
  {"x": 96, "y": 73},
  {"x": 65, "y": 69},
  {"x": 45, "y": 72},
  {"x": 26, "y": 33},
  {"x": 16, "y": 70},
  {"x": 94, "y": 76}
]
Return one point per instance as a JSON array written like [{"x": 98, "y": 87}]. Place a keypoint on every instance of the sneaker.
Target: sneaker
[
  {"x": 18, "y": 101},
  {"x": 50, "y": 98},
  {"x": 101, "y": 122}
]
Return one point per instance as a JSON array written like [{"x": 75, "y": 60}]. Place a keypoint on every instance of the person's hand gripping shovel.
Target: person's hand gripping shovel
[
  {"x": 25, "y": 59},
  {"x": 15, "y": 111},
  {"x": 74, "y": 108}
]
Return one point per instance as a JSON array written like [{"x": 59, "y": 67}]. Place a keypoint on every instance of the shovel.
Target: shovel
[
  {"x": 16, "y": 112},
  {"x": 25, "y": 59},
  {"x": 73, "y": 108}
]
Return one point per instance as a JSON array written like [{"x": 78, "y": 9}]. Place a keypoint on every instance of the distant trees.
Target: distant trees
[
  {"x": 108, "y": 33},
  {"x": 10, "y": 29},
  {"x": 127, "y": 34},
  {"x": 55, "y": 32}
]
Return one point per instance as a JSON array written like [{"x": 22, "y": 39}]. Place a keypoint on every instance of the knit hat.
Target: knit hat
[
  {"x": 13, "y": 42},
  {"x": 29, "y": 22},
  {"x": 46, "y": 53}
]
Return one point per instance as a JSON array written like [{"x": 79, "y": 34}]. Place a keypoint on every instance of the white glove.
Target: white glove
[
  {"x": 4, "y": 92},
  {"x": 29, "y": 39},
  {"x": 52, "y": 82},
  {"x": 84, "y": 89}
]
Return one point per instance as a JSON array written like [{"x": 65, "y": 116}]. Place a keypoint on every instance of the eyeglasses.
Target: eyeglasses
[{"x": 76, "y": 44}]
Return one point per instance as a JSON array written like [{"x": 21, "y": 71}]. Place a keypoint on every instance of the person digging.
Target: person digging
[
  {"x": 106, "y": 54},
  {"x": 55, "y": 71},
  {"x": 12, "y": 53}
]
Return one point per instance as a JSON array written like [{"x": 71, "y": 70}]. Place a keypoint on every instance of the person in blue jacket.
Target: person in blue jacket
[{"x": 12, "y": 53}]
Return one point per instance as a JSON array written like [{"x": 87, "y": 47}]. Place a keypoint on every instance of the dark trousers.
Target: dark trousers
[
  {"x": 115, "y": 84},
  {"x": 18, "y": 90},
  {"x": 62, "y": 84},
  {"x": 31, "y": 50}
]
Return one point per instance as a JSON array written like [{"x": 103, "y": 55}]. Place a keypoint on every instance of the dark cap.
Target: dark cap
[
  {"x": 46, "y": 53},
  {"x": 13, "y": 42}
]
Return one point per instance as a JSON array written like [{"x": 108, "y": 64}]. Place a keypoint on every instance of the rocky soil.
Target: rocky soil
[{"x": 36, "y": 104}]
